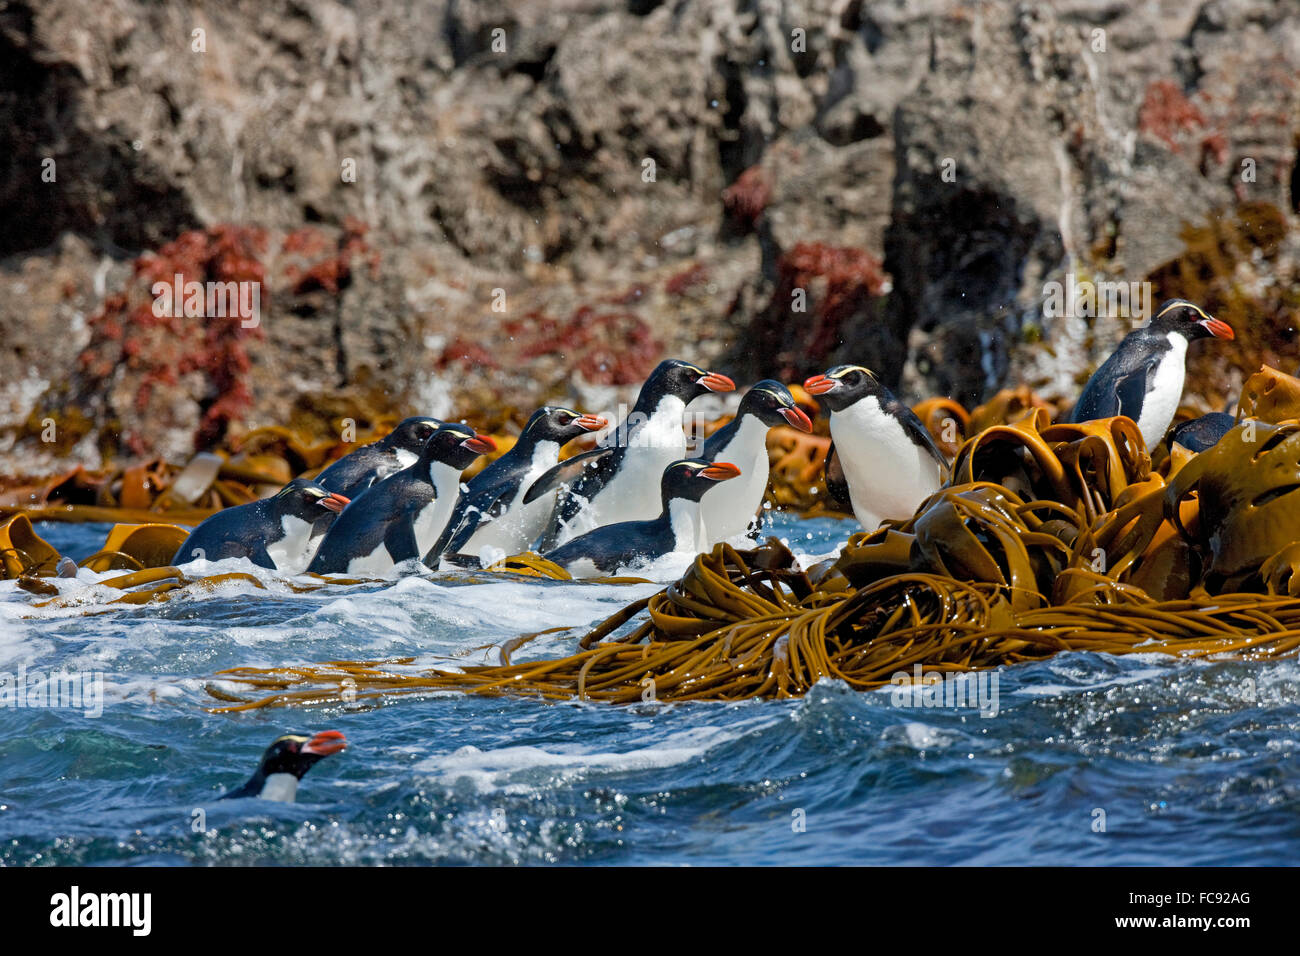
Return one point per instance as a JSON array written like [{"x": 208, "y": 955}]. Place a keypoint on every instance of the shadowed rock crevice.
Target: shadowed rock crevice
[
  {"x": 1295, "y": 181},
  {"x": 102, "y": 188}
]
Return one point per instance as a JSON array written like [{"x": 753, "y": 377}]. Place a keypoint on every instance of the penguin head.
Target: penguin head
[
  {"x": 773, "y": 404},
  {"x": 1189, "y": 320},
  {"x": 843, "y": 385},
  {"x": 303, "y": 498},
  {"x": 690, "y": 478},
  {"x": 411, "y": 434},
  {"x": 457, "y": 446},
  {"x": 561, "y": 425},
  {"x": 297, "y": 753},
  {"x": 685, "y": 381}
]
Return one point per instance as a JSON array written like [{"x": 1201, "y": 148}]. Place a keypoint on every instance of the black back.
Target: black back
[
  {"x": 586, "y": 475},
  {"x": 244, "y": 531},
  {"x": 285, "y": 755},
  {"x": 612, "y": 546},
  {"x": 491, "y": 491},
  {"x": 1202, "y": 433},
  {"x": 1120, "y": 385},
  {"x": 354, "y": 473},
  {"x": 385, "y": 513}
]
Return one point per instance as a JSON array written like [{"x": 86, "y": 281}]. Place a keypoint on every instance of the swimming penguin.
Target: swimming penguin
[
  {"x": 491, "y": 516},
  {"x": 619, "y": 481},
  {"x": 284, "y": 763},
  {"x": 1202, "y": 433},
  {"x": 402, "y": 516},
  {"x": 1143, "y": 378},
  {"x": 357, "y": 471},
  {"x": 882, "y": 460},
  {"x": 280, "y": 532},
  {"x": 744, "y": 441},
  {"x": 679, "y": 527}
]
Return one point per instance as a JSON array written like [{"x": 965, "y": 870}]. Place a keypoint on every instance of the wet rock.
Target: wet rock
[{"x": 526, "y": 161}]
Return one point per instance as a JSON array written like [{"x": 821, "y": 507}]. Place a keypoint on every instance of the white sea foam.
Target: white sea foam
[{"x": 521, "y": 769}]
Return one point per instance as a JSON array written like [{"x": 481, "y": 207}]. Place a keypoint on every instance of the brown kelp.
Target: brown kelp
[{"x": 1048, "y": 538}]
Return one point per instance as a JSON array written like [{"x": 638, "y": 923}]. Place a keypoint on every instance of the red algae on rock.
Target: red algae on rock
[
  {"x": 747, "y": 198},
  {"x": 161, "y": 345},
  {"x": 819, "y": 288},
  {"x": 604, "y": 347}
]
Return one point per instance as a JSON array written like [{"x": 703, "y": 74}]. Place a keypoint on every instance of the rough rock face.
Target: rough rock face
[{"x": 545, "y": 196}]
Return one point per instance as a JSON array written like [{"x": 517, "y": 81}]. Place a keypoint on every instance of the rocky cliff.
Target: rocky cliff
[{"x": 462, "y": 207}]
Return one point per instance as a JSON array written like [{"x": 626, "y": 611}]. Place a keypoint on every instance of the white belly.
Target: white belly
[
  {"x": 888, "y": 474},
  {"x": 516, "y": 530},
  {"x": 429, "y": 524},
  {"x": 632, "y": 494},
  {"x": 687, "y": 519},
  {"x": 282, "y": 787},
  {"x": 730, "y": 508},
  {"x": 292, "y": 553},
  {"x": 375, "y": 564},
  {"x": 520, "y": 524},
  {"x": 1166, "y": 390},
  {"x": 584, "y": 568}
]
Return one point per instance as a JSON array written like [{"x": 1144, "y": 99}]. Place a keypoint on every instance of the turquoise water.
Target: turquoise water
[{"x": 1191, "y": 763}]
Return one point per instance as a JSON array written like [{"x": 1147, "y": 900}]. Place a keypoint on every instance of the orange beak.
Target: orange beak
[
  {"x": 335, "y": 502},
  {"x": 717, "y": 382},
  {"x": 819, "y": 385},
  {"x": 592, "y": 423},
  {"x": 720, "y": 471},
  {"x": 325, "y": 743},
  {"x": 482, "y": 444},
  {"x": 797, "y": 419},
  {"x": 1218, "y": 328}
]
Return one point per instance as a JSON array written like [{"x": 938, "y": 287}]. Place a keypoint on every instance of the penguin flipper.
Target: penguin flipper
[
  {"x": 1119, "y": 387},
  {"x": 917, "y": 431},
  {"x": 836, "y": 483},
  {"x": 1131, "y": 390},
  {"x": 259, "y": 556},
  {"x": 399, "y": 538},
  {"x": 582, "y": 485},
  {"x": 470, "y": 510},
  {"x": 596, "y": 464}
]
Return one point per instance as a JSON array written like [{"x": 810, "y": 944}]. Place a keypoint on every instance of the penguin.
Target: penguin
[
  {"x": 882, "y": 461},
  {"x": 1200, "y": 434},
  {"x": 357, "y": 471},
  {"x": 744, "y": 441},
  {"x": 619, "y": 480},
  {"x": 402, "y": 516},
  {"x": 280, "y": 533},
  {"x": 679, "y": 527},
  {"x": 490, "y": 515},
  {"x": 1143, "y": 378},
  {"x": 284, "y": 763}
]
